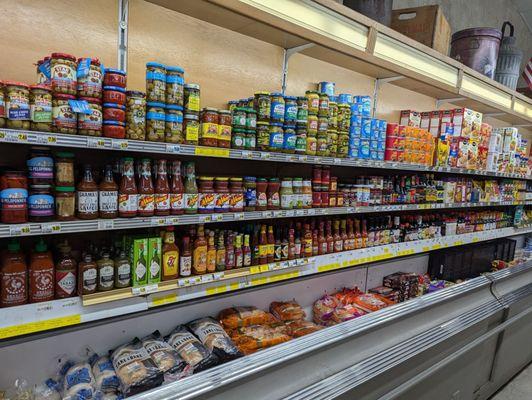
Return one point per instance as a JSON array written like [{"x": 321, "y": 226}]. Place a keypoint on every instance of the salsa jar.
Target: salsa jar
[
  {"x": 272, "y": 193},
  {"x": 13, "y": 197},
  {"x": 290, "y": 110},
  {"x": 191, "y": 128},
  {"x": 262, "y": 197},
  {"x": 313, "y": 102},
  {"x": 63, "y": 77},
  {"x": 221, "y": 194},
  {"x": 114, "y": 77},
  {"x": 192, "y": 98},
  {"x": 175, "y": 86},
  {"x": 114, "y": 94},
  {"x": 114, "y": 129},
  {"x": 41, "y": 204},
  {"x": 64, "y": 120},
  {"x": 90, "y": 85},
  {"x": 224, "y": 129},
  {"x": 155, "y": 122},
  {"x": 155, "y": 82},
  {"x": 236, "y": 199},
  {"x": 40, "y": 166},
  {"x": 65, "y": 203},
  {"x": 209, "y": 127},
  {"x": 263, "y": 136},
  {"x": 174, "y": 124},
  {"x": 302, "y": 111},
  {"x": 64, "y": 168},
  {"x": 239, "y": 118},
  {"x": 17, "y": 105},
  {"x": 262, "y": 104},
  {"x": 250, "y": 193},
  {"x": 206, "y": 195},
  {"x": 135, "y": 115},
  {"x": 41, "y": 108},
  {"x": 91, "y": 124},
  {"x": 114, "y": 112},
  {"x": 277, "y": 108}
]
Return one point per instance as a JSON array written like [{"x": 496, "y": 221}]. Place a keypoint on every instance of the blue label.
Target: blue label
[
  {"x": 174, "y": 118},
  {"x": 382, "y": 125},
  {"x": 356, "y": 109},
  {"x": 13, "y": 197},
  {"x": 327, "y": 88},
  {"x": 155, "y": 76},
  {"x": 84, "y": 67},
  {"x": 19, "y": 113},
  {"x": 355, "y": 130},
  {"x": 80, "y": 106},
  {"x": 175, "y": 79},
  {"x": 356, "y": 120},
  {"x": 41, "y": 205},
  {"x": 250, "y": 197},
  {"x": 373, "y": 144},
  {"x": 373, "y": 154},
  {"x": 290, "y": 113},
  {"x": 382, "y": 135},
  {"x": 363, "y": 150},
  {"x": 345, "y": 98},
  {"x": 45, "y": 69},
  {"x": 79, "y": 376},
  {"x": 355, "y": 142},
  {"x": 289, "y": 142},
  {"x": 366, "y": 128},
  {"x": 40, "y": 167},
  {"x": 381, "y": 146},
  {"x": 155, "y": 116},
  {"x": 276, "y": 140},
  {"x": 380, "y": 155},
  {"x": 277, "y": 110},
  {"x": 110, "y": 383}
]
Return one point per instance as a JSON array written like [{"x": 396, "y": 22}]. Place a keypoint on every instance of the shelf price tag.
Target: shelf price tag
[
  {"x": 183, "y": 282},
  {"x": 217, "y": 217},
  {"x": 247, "y": 154},
  {"x": 211, "y": 152},
  {"x": 19, "y": 230},
  {"x": 218, "y": 276},
  {"x": 46, "y": 139},
  {"x": 162, "y": 300},
  {"x": 238, "y": 216},
  {"x": 158, "y": 221},
  {"x": 95, "y": 143},
  {"x": 105, "y": 224},
  {"x": 119, "y": 144},
  {"x": 172, "y": 221},
  {"x": 302, "y": 158},
  {"x": 142, "y": 290},
  {"x": 206, "y": 278},
  {"x": 173, "y": 148},
  {"x": 264, "y": 268},
  {"x": 254, "y": 270},
  {"x": 204, "y": 218},
  {"x": 53, "y": 227}
]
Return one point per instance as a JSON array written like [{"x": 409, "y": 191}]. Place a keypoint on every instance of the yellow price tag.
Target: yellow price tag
[
  {"x": 162, "y": 300},
  {"x": 31, "y": 327},
  {"x": 254, "y": 270},
  {"x": 436, "y": 246},
  {"x": 328, "y": 267},
  {"x": 22, "y": 137},
  {"x": 259, "y": 281},
  {"x": 216, "y": 290},
  {"x": 52, "y": 139},
  {"x": 264, "y": 268},
  {"x": 475, "y": 239},
  {"x": 211, "y": 152}
]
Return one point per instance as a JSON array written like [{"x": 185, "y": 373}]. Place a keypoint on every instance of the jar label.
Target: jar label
[
  {"x": 224, "y": 132},
  {"x": 107, "y": 275},
  {"x": 185, "y": 265},
  {"x": 250, "y": 141},
  {"x": 192, "y": 132},
  {"x": 276, "y": 140},
  {"x": 311, "y": 145},
  {"x": 155, "y": 76},
  {"x": 175, "y": 79},
  {"x": 62, "y": 74},
  {"x": 108, "y": 200},
  {"x": 92, "y": 121},
  {"x": 238, "y": 141},
  {"x": 156, "y": 116},
  {"x": 40, "y": 167},
  {"x": 236, "y": 201},
  {"x": 209, "y": 130},
  {"x": 146, "y": 202},
  {"x": 41, "y": 205},
  {"x": 124, "y": 273},
  {"x": 42, "y": 284},
  {"x": 287, "y": 201},
  {"x": 264, "y": 108},
  {"x": 13, "y": 287},
  {"x": 138, "y": 116},
  {"x": 191, "y": 201},
  {"x": 239, "y": 119},
  {"x": 162, "y": 201},
  {"x": 2, "y": 106},
  {"x": 127, "y": 202},
  {"x": 206, "y": 201},
  {"x": 13, "y": 199},
  {"x": 262, "y": 200},
  {"x": 177, "y": 201},
  {"x": 87, "y": 202},
  {"x": 177, "y": 118},
  {"x": 193, "y": 103},
  {"x": 89, "y": 279},
  {"x": 251, "y": 121},
  {"x": 273, "y": 200},
  {"x": 66, "y": 282},
  {"x": 64, "y": 117},
  {"x": 263, "y": 138},
  {"x": 277, "y": 110},
  {"x": 302, "y": 114},
  {"x": 312, "y": 124},
  {"x": 289, "y": 141},
  {"x": 18, "y": 107},
  {"x": 314, "y": 103},
  {"x": 290, "y": 112},
  {"x": 301, "y": 144},
  {"x": 41, "y": 111},
  {"x": 222, "y": 201}
]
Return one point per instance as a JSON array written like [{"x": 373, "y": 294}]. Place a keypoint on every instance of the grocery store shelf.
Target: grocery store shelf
[
  {"x": 101, "y": 143},
  {"x": 76, "y": 226},
  {"x": 348, "y": 39}
]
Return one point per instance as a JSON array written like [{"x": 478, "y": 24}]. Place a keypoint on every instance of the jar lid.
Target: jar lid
[
  {"x": 175, "y": 69},
  {"x": 251, "y": 111},
  {"x": 224, "y": 112},
  {"x": 91, "y": 100},
  {"x": 174, "y": 107},
  {"x": 240, "y": 109},
  {"x": 116, "y": 123},
  {"x": 64, "y": 154},
  {"x": 40, "y": 148},
  {"x": 312, "y": 92},
  {"x": 15, "y": 83},
  {"x": 332, "y": 103},
  {"x": 233, "y": 102},
  {"x": 114, "y": 71},
  {"x": 192, "y": 86},
  {"x": 206, "y": 178},
  {"x": 136, "y": 93},
  {"x": 64, "y": 55},
  {"x": 277, "y": 94},
  {"x": 155, "y": 65},
  {"x": 298, "y": 179},
  {"x": 62, "y": 96},
  {"x": 210, "y": 109},
  {"x": 262, "y": 180},
  {"x": 155, "y": 104},
  {"x": 41, "y": 87},
  {"x": 262, "y": 93},
  {"x": 324, "y": 95},
  {"x": 14, "y": 173},
  {"x": 263, "y": 123},
  {"x": 221, "y": 178},
  {"x": 115, "y": 88},
  {"x": 290, "y": 97},
  {"x": 343, "y": 105},
  {"x": 94, "y": 61},
  {"x": 65, "y": 188},
  {"x": 40, "y": 187},
  {"x": 239, "y": 130},
  {"x": 114, "y": 105},
  {"x": 235, "y": 179},
  {"x": 289, "y": 127},
  {"x": 191, "y": 117},
  {"x": 250, "y": 178},
  {"x": 274, "y": 180}
]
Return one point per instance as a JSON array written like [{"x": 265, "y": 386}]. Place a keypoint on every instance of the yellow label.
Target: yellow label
[
  {"x": 282, "y": 277},
  {"x": 458, "y": 243},
  {"x": 162, "y": 300},
  {"x": 216, "y": 290},
  {"x": 264, "y": 268},
  {"x": 234, "y": 286},
  {"x": 31, "y": 327},
  {"x": 211, "y": 152},
  {"x": 224, "y": 132},
  {"x": 52, "y": 139},
  {"x": 209, "y": 130},
  {"x": 192, "y": 132},
  {"x": 328, "y": 267},
  {"x": 475, "y": 239},
  {"x": 170, "y": 263},
  {"x": 254, "y": 270},
  {"x": 436, "y": 246},
  {"x": 259, "y": 281},
  {"x": 426, "y": 248}
]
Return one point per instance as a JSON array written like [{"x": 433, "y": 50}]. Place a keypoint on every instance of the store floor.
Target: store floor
[{"x": 519, "y": 388}]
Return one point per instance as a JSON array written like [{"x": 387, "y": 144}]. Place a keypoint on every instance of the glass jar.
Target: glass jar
[
  {"x": 206, "y": 195},
  {"x": 209, "y": 127},
  {"x": 287, "y": 194},
  {"x": 115, "y": 77},
  {"x": 344, "y": 117},
  {"x": 343, "y": 145},
  {"x": 232, "y": 104},
  {"x": 250, "y": 193},
  {"x": 2, "y": 105},
  {"x": 41, "y": 108},
  {"x": 262, "y": 104},
  {"x": 114, "y": 94},
  {"x": 91, "y": 124},
  {"x": 272, "y": 193},
  {"x": 238, "y": 138},
  {"x": 290, "y": 110},
  {"x": 155, "y": 82},
  {"x": 41, "y": 207},
  {"x": 323, "y": 124},
  {"x": 289, "y": 139},
  {"x": 323, "y": 110},
  {"x": 302, "y": 111},
  {"x": 17, "y": 105},
  {"x": 221, "y": 194},
  {"x": 239, "y": 118},
  {"x": 135, "y": 115},
  {"x": 114, "y": 112},
  {"x": 313, "y": 102},
  {"x": 333, "y": 115},
  {"x": 224, "y": 129},
  {"x": 64, "y": 168},
  {"x": 251, "y": 119},
  {"x": 65, "y": 203},
  {"x": 297, "y": 198},
  {"x": 332, "y": 143},
  {"x": 276, "y": 137},
  {"x": 90, "y": 85},
  {"x": 277, "y": 108},
  {"x": 13, "y": 197},
  {"x": 262, "y": 197},
  {"x": 191, "y": 128},
  {"x": 263, "y": 136},
  {"x": 192, "y": 98},
  {"x": 250, "y": 140},
  {"x": 307, "y": 194},
  {"x": 236, "y": 191},
  {"x": 155, "y": 122},
  {"x": 114, "y": 129},
  {"x": 63, "y": 69},
  {"x": 64, "y": 120},
  {"x": 312, "y": 125},
  {"x": 174, "y": 124},
  {"x": 321, "y": 145},
  {"x": 312, "y": 144},
  {"x": 40, "y": 165},
  {"x": 175, "y": 86},
  {"x": 301, "y": 140}
]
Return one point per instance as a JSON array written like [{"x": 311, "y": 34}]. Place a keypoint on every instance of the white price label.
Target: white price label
[
  {"x": 337, "y": 160},
  {"x": 53, "y": 227},
  {"x": 105, "y": 224},
  {"x": 147, "y": 289},
  {"x": 292, "y": 263},
  {"x": 206, "y": 278},
  {"x": 246, "y": 154},
  {"x": 172, "y": 221},
  {"x": 119, "y": 144},
  {"x": 95, "y": 143},
  {"x": 300, "y": 212},
  {"x": 303, "y": 158},
  {"x": 239, "y": 216},
  {"x": 311, "y": 211},
  {"x": 173, "y": 148},
  {"x": 204, "y": 218},
  {"x": 16, "y": 137},
  {"x": 289, "y": 213},
  {"x": 218, "y": 276},
  {"x": 195, "y": 280},
  {"x": 158, "y": 221},
  {"x": 183, "y": 282},
  {"x": 264, "y": 156},
  {"x": 19, "y": 230},
  {"x": 217, "y": 217},
  {"x": 267, "y": 214},
  {"x": 46, "y": 139}
]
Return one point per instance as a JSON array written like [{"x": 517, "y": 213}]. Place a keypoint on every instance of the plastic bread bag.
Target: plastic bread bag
[
  {"x": 237, "y": 317},
  {"x": 77, "y": 374},
  {"x": 99, "y": 395},
  {"x": 136, "y": 370},
  {"x": 346, "y": 313},
  {"x": 105, "y": 379},
  {"x": 287, "y": 310},
  {"x": 49, "y": 390},
  {"x": 19, "y": 391},
  {"x": 323, "y": 309},
  {"x": 254, "y": 337},
  {"x": 298, "y": 328},
  {"x": 80, "y": 391},
  {"x": 371, "y": 302},
  {"x": 165, "y": 357},
  {"x": 191, "y": 349},
  {"x": 214, "y": 338}
]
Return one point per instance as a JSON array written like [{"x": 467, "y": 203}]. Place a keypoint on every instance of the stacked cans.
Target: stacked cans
[{"x": 367, "y": 138}]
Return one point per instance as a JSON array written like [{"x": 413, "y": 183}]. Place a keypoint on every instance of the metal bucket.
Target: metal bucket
[
  {"x": 509, "y": 60},
  {"x": 379, "y": 10},
  {"x": 477, "y": 48}
]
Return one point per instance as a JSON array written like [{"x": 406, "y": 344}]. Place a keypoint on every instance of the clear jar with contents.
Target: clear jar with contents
[
  {"x": 192, "y": 99},
  {"x": 302, "y": 111},
  {"x": 323, "y": 110},
  {"x": 155, "y": 122},
  {"x": 312, "y": 125},
  {"x": 2, "y": 105},
  {"x": 250, "y": 193},
  {"x": 323, "y": 124},
  {"x": 65, "y": 203},
  {"x": 41, "y": 207},
  {"x": 312, "y": 144},
  {"x": 307, "y": 194},
  {"x": 91, "y": 124},
  {"x": 344, "y": 117},
  {"x": 221, "y": 194},
  {"x": 251, "y": 119},
  {"x": 236, "y": 193},
  {"x": 290, "y": 110},
  {"x": 286, "y": 194},
  {"x": 209, "y": 127},
  {"x": 135, "y": 115},
  {"x": 17, "y": 105},
  {"x": 276, "y": 137},
  {"x": 206, "y": 196},
  {"x": 274, "y": 202},
  {"x": 174, "y": 124},
  {"x": 191, "y": 128},
  {"x": 289, "y": 139},
  {"x": 277, "y": 108},
  {"x": 239, "y": 118},
  {"x": 64, "y": 168},
  {"x": 63, "y": 73},
  {"x": 313, "y": 102},
  {"x": 175, "y": 86},
  {"x": 262, "y": 104},
  {"x": 41, "y": 108},
  {"x": 90, "y": 85},
  {"x": 64, "y": 120},
  {"x": 301, "y": 140},
  {"x": 263, "y": 136},
  {"x": 297, "y": 188},
  {"x": 238, "y": 138},
  {"x": 224, "y": 129},
  {"x": 333, "y": 115},
  {"x": 155, "y": 82},
  {"x": 40, "y": 165},
  {"x": 262, "y": 197},
  {"x": 250, "y": 140}
]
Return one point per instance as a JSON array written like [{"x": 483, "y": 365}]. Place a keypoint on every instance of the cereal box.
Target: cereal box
[
  {"x": 410, "y": 118},
  {"x": 434, "y": 126},
  {"x": 425, "y": 120},
  {"x": 463, "y": 148}
]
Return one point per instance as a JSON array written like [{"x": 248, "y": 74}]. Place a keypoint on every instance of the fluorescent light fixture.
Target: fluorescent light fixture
[
  {"x": 522, "y": 107},
  {"x": 478, "y": 88},
  {"x": 406, "y": 56},
  {"x": 314, "y": 17}
]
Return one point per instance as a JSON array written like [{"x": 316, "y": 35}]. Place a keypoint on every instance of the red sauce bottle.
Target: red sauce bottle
[
  {"x": 146, "y": 205},
  {"x": 162, "y": 190},
  {"x": 65, "y": 274},
  {"x": 127, "y": 193},
  {"x": 271, "y": 245},
  {"x": 177, "y": 205},
  {"x": 263, "y": 245},
  {"x": 13, "y": 277},
  {"x": 41, "y": 274}
]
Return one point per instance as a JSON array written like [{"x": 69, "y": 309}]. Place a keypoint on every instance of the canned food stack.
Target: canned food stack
[{"x": 114, "y": 103}]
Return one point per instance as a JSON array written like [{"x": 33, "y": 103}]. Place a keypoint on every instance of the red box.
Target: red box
[
  {"x": 425, "y": 120},
  {"x": 410, "y": 118}
]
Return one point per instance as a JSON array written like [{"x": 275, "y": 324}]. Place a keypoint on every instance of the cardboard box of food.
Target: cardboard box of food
[
  {"x": 410, "y": 118},
  {"x": 139, "y": 260}
]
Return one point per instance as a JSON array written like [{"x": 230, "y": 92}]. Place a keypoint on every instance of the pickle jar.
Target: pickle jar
[
  {"x": 301, "y": 140},
  {"x": 192, "y": 99},
  {"x": 191, "y": 128},
  {"x": 41, "y": 108},
  {"x": 323, "y": 110},
  {"x": 239, "y": 118},
  {"x": 91, "y": 124},
  {"x": 276, "y": 137},
  {"x": 263, "y": 136},
  {"x": 312, "y": 125},
  {"x": 209, "y": 121},
  {"x": 90, "y": 85},
  {"x": 174, "y": 124},
  {"x": 175, "y": 85},
  {"x": 277, "y": 108},
  {"x": 344, "y": 117},
  {"x": 251, "y": 119},
  {"x": 323, "y": 124},
  {"x": 333, "y": 115},
  {"x": 224, "y": 128},
  {"x": 135, "y": 115},
  {"x": 290, "y": 110},
  {"x": 155, "y": 82},
  {"x": 155, "y": 121},
  {"x": 17, "y": 105},
  {"x": 63, "y": 69},
  {"x": 262, "y": 104},
  {"x": 64, "y": 120},
  {"x": 302, "y": 111},
  {"x": 313, "y": 102},
  {"x": 238, "y": 138},
  {"x": 2, "y": 105}
]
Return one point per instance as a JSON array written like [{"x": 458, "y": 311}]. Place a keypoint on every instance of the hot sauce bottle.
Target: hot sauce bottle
[
  {"x": 220, "y": 253},
  {"x": 329, "y": 237},
  {"x": 358, "y": 235},
  {"x": 291, "y": 244},
  {"x": 322, "y": 242},
  {"x": 185, "y": 261},
  {"x": 162, "y": 190},
  {"x": 65, "y": 273},
  {"x": 199, "y": 253},
  {"x": 364, "y": 234},
  {"x": 239, "y": 254},
  {"x": 127, "y": 193},
  {"x": 146, "y": 196},
  {"x": 41, "y": 287},
  {"x": 170, "y": 255},
  {"x": 246, "y": 252},
  {"x": 108, "y": 195},
  {"x": 307, "y": 241},
  {"x": 338, "y": 242},
  {"x": 271, "y": 245},
  {"x": 315, "y": 242},
  {"x": 191, "y": 189},
  {"x": 211, "y": 253},
  {"x": 229, "y": 252},
  {"x": 255, "y": 247},
  {"x": 263, "y": 245},
  {"x": 177, "y": 206},
  {"x": 13, "y": 275}
]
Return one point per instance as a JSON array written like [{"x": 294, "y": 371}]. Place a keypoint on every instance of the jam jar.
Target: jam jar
[{"x": 209, "y": 121}]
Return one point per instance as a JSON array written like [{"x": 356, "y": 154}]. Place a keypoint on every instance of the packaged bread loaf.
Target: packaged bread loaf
[
  {"x": 300, "y": 327},
  {"x": 190, "y": 349},
  {"x": 252, "y": 338},
  {"x": 371, "y": 302},
  {"x": 104, "y": 375},
  {"x": 214, "y": 338},
  {"x": 287, "y": 310},
  {"x": 165, "y": 357},
  {"x": 237, "y": 317}
]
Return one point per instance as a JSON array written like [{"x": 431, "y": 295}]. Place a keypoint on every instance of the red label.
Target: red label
[
  {"x": 14, "y": 290},
  {"x": 65, "y": 283},
  {"x": 42, "y": 285}
]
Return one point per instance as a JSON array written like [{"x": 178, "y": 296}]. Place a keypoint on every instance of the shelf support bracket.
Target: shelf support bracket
[
  {"x": 440, "y": 102},
  {"x": 287, "y": 54},
  {"x": 123, "y": 22},
  {"x": 378, "y": 83}
]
